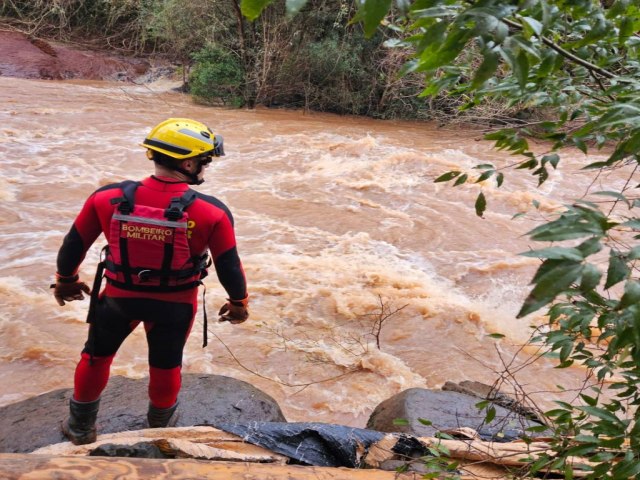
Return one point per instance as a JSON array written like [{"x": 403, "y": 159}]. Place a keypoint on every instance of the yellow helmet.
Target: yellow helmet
[{"x": 180, "y": 138}]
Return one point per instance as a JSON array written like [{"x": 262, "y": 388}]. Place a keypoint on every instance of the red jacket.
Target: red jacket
[{"x": 212, "y": 229}]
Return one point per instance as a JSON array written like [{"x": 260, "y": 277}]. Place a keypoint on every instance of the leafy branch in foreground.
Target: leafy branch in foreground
[{"x": 576, "y": 61}]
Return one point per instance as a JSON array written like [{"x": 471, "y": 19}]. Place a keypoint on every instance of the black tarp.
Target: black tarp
[{"x": 317, "y": 444}]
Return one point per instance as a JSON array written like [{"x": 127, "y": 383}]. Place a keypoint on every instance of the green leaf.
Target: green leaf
[
  {"x": 531, "y": 27},
  {"x": 565, "y": 351},
  {"x": 553, "y": 159},
  {"x": 445, "y": 177},
  {"x": 434, "y": 12},
  {"x": 617, "y": 271},
  {"x": 558, "y": 253},
  {"x": 530, "y": 164},
  {"x": 447, "y": 51},
  {"x": 522, "y": 69},
  {"x": 486, "y": 69},
  {"x": 496, "y": 335},
  {"x": 631, "y": 294},
  {"x": 549, "y": 285},
  {"x": 576, "y": 222},
  {"x": 580, "y": 143},
  {"x": 547, "y": 64},
  {"x": 618, "y": 8},
  {"x": 590, "y": 278},
  {"x": 501, "y": 33},
  {"x": 634, "y": 253},
  {"x": 371, "y": 13},
  {"x": 401, "y": 422},
  {"x": 461, "y": 179},
  {"x": 589, "y": 400},
  {"x": 590, "y": 246},
  {"x": 500, "y": 179},
  {"x": 491, "y": 414},
  {"x": 424, "y": 421},
  {"x": 616, "y": 195},
  {"x": 481, "y": 204},
  {"x": 628, "y": 468},
  {"x": 486, "y": 174},
  {"x": 580, "y": 450},
  {"x": 601, "y": 413},
  {"x": 626, "y": 30},
  {"x": 253, "y": 8}
]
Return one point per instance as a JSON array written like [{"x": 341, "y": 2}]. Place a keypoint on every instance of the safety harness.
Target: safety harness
[{"x": 148, "y": 249}]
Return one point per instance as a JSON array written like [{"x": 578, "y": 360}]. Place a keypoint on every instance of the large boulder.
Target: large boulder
[
  {"x": 425, "y": 412},
  {"x": 204, "y": 400}
]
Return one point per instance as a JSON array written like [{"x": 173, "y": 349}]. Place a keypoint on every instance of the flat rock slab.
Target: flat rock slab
[
  {"x": 204, "y": 400},
  {"x": 445, "y": 410}
]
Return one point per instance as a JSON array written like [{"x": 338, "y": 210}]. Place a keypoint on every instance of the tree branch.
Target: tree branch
[{"x": 565, "y": 53}]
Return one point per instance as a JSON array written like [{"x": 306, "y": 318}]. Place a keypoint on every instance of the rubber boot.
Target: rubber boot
[
  {"x": 80, "y": 426},
  {"x": 162, "y": 417}
]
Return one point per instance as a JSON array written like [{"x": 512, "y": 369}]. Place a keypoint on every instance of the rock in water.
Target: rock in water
[
  {"x": 445, "y": 410},
  {"x": 204, "y": 400}
]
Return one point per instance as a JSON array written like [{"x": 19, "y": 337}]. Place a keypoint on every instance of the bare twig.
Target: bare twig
[{"x": 278, "y": 381}]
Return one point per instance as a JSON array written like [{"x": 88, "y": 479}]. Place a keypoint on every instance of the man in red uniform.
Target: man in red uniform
[{"x": 158, "y": 233}]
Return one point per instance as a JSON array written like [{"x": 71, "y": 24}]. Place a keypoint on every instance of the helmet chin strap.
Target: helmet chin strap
[
  {"x": 193, "y": 177},
  {"x": 172, "y": 165}
]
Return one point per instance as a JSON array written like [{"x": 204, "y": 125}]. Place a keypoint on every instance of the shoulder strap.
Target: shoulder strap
[
  {"x": 126, "y": 202},
  {"x": 179, "y": 204}
]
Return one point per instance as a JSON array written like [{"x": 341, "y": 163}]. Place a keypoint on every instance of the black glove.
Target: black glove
[
  {"x": 67, "y": 289},
  {"x": 234, "y": 311}
]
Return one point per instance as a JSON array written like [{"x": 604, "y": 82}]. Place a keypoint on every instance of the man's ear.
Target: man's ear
[{"x": 188, "y": 165}]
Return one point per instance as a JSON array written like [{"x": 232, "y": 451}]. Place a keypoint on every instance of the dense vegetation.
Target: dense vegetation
[
  {"x": 579, "y": 60},
  {"x": 316, "y": 60}
]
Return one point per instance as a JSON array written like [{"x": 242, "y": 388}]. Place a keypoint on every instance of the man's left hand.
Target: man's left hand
[
  {"x": 234, "y": 312},
  {"x": 68, "y": 289}
]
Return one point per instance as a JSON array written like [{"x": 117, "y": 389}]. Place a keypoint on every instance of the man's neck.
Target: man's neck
[{"x": 170, "y": 174}]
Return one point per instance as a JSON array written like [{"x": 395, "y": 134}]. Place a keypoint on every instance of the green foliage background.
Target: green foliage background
[
  {"x": 317, "y": 60},
  {"x": 578, "y": 60}
]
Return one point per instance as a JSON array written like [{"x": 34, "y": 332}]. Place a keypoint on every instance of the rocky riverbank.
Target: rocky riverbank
[{"x": 224, "y": 419}]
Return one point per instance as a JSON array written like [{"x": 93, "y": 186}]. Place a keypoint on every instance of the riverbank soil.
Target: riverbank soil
[{"x": 22, "y": 56}]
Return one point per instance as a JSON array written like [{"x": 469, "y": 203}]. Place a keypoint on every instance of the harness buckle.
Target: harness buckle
[{"x": 143, "y": 275}]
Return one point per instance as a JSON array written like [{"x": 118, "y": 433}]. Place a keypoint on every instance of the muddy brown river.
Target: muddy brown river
[{"x": 339, "y": 224}]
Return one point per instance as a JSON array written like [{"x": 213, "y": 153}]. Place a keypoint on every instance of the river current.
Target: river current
[{"x": 339, "y": 226}]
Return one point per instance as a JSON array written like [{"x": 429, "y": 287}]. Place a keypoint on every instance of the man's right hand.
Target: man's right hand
[
  {"x": 234, "y": 311},
  {"x": 67, "y": 289}
]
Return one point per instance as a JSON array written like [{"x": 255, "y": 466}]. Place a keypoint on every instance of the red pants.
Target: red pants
[{"x": 167, "y": 326}]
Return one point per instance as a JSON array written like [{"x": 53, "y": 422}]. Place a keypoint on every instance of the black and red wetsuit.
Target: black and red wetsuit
[{"x": 167, "y": 316}]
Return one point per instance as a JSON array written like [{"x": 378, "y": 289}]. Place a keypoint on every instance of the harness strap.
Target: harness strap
[
  {"x": 178, "y": 205},
  {"x": 199, "y": 265},
  {"x": 205, "y": 332},
  {"x": 125, "y": 207},
  {"x": 153, "y": 288},
  {"x": 93, "y": 303},
  {"x": 126, "y": 202}
]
